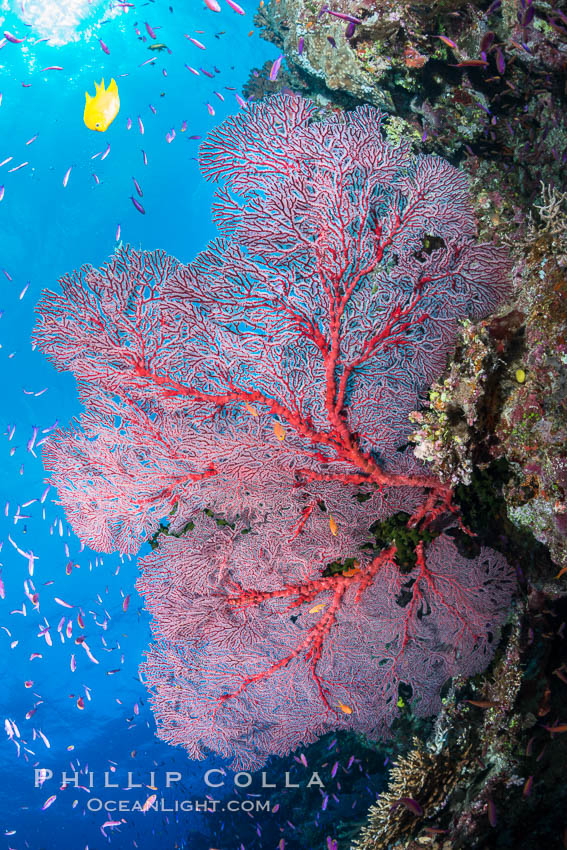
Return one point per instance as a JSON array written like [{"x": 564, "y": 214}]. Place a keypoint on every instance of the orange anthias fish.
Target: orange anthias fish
[
  {"x": 251, "y": 409},
  {"x": 102, "y": 109},
  {"x": 279, "y": 431},
  {"x": 333, "y": 526}
]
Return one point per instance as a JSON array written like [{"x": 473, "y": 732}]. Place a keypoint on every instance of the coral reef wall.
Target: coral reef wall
[{"x": 483, "y": 85}]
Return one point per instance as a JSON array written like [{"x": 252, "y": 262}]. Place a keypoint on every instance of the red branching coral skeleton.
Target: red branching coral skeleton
[{"x": 269, "y": 383}]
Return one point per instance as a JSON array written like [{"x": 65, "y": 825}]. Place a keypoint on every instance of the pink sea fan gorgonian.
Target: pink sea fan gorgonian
[
  {"x": 269, "y": 382},
  {"x": 256, "y": 652}
]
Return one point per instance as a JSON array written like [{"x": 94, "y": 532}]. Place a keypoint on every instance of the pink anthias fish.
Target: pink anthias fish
[
  {"x": 110, "y": 823},
  {"x": 235, "y": 7},
  {"x": 196, "y": 43},
  {"x": 12, "y": 38},
  {"x": 276, "y": 68}
]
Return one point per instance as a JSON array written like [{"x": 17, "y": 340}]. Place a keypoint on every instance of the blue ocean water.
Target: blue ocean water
[
  {"x": 46, "y": 230},
  {"x": 79, "y": 710}
]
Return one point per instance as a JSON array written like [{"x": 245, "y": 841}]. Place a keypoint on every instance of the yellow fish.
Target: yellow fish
[
  {"x": 346, "y": 709},
  {"x": 102, "y": 109},
  {"x": 333, "y": 526},
  {"x": 317, "y": 608}
]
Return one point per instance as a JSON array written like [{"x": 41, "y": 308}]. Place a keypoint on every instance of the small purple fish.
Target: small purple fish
[
  {"x": 104, "y": 47},
  {"x": 137, "y": 185},
  {"x": 300, "y": 44},
  {"x": 528, "y": 16},
  {"x": 207, "y": 73},
  {"x": 12, "y": 38},
  {"x": 35, "y": 428},
  {"x": 331, "y": 41},
  {"x": 128, "y": 123},
  {"x": 350, "y": 30},
  {"x": 240, "y": 100},
  {"x": 410, "y": 804},
  {"x": 492, "y": 819},
  {"x": 141, "y": 126},
  {"x": 500, "y": 61},
  {"x": 151, "y": 33},
  {"x": 349, "y": 18},
  {"x": 105, "y": 154},
  {"x": 275, "y": 69},
  {"x": 145, "y": 157},
  {"x": 138, "y": 205},
  {"x": 486, "y": 41}
]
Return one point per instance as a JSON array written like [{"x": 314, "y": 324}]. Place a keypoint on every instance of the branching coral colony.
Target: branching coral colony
[{"x": 259, "y": 398}]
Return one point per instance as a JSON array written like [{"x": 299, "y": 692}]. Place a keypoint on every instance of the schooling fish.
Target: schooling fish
[{"x": 102, "y": 109}]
